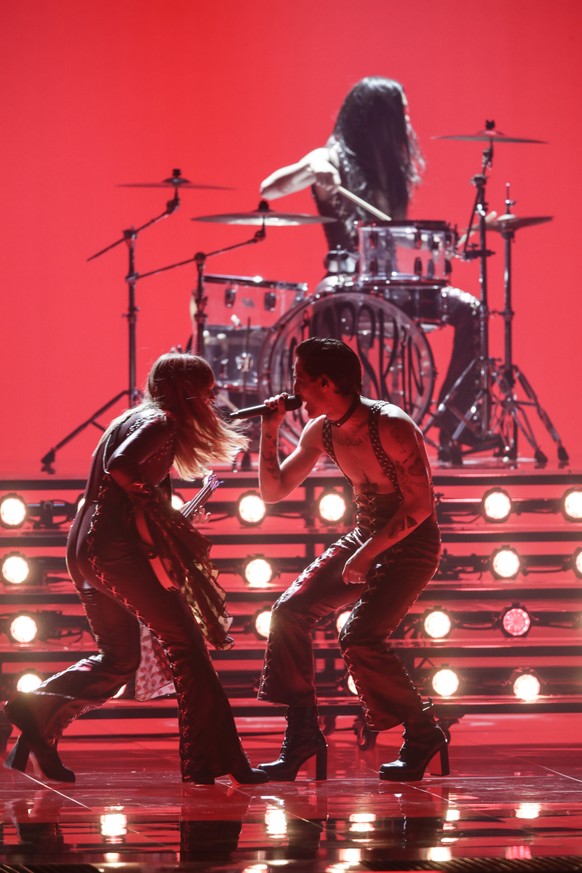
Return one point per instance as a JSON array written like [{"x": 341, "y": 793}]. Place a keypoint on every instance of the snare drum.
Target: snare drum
[{"x": 405, "y": 251}]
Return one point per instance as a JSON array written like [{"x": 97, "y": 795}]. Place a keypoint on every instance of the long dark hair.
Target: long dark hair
[
  {"x": 178, "y": 384},
  {"x": 379, "y": 145}
]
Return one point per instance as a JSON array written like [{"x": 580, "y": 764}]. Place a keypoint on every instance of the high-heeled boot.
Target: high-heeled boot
[
  {"x": 41, "y": 718},
  {"x": 423, "y": 740},
  {"x": 303, "y": 739}
]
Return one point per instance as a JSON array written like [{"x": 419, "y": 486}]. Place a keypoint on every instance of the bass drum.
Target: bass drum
[{"x": 397, "y": 363}]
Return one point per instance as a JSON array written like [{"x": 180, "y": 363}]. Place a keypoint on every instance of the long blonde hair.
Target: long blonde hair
[{"x": 178, "y": 384}]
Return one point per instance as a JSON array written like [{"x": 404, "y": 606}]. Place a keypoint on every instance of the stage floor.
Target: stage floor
[{"x": 513, "y": 800}]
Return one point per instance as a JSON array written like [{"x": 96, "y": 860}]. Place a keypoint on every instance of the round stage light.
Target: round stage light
[
  {"x": 577, "y": 562},
  {"x": 177, "y": 501},
  {"x": 341, "y": 619},
  {"x": 251, "y": 509},
  {"x": 572, "y": 504},
  {"x": 331, "y": 507},
  {"x": 496, "y": 505},
  {"x": 527, "y": 686},
  {"x": 29, "y": 681},
  {"x": 437, "y": 624},
  {"x": 23, "y": 629},
  {"x": 262, "y": 622},
  {"x": 14, "y": 569},
  {"x": 515, "y": 621},
  {"x": 258, "y": 572},
  {"x": 505, "y": 563},
  {"x": 351, "y": 685},
  {"x": 445, "y": 682},
  {"x": 12, "y": 511}
]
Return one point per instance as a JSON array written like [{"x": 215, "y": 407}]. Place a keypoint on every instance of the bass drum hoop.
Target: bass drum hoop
[{"x": 397, "y": 361}]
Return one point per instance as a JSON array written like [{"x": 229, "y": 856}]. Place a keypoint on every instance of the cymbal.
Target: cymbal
[
  {"x": 264, "y": 215},
  {"x": 489, "y": 136},
  {"x": 176, "y": 180},
  {"x": 515, "y": 222}
]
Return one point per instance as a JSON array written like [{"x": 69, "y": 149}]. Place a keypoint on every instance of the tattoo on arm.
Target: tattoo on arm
[
  {"x": 269, "y": 455},
  {"x": 401, "y": 525}
]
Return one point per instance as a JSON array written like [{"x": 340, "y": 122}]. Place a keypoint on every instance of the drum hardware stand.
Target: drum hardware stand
[
  {"x": 482, "y": 403},
  {"x": 512, "y": 410},
  {"x": 511, "y": 413},
  {"x": 131, "y": 392}
]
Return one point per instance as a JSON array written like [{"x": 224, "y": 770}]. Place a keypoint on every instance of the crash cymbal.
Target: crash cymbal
[
  {"x": 490, "y": 136},
  {"x": 176, "y": 180},
  {"x": 515, "y": 222},
  {"x": 265, "y": 215}
]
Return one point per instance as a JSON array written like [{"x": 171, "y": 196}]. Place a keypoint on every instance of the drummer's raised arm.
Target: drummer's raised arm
[{"x": 315, "y": 168}]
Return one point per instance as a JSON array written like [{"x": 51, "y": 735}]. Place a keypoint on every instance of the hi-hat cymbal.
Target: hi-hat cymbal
[
  {"x": 176, "y": 180},
  {"x": 264, "y": 215},
  {"x": 489, "y": 136},
  {"x": 515, "y": 222}
]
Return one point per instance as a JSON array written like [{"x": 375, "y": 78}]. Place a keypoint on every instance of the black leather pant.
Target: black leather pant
[
  {"x": 123, "y": 590},
  {"x": 386, "y": 691},
  {"x": 462, "y": 313}
]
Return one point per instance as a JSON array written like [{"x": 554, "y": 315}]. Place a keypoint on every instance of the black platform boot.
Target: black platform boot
[
  {"x": 41, "y": 718},
  {"x": 423, "y": 740},
  {"x": 303, "y": 740}
]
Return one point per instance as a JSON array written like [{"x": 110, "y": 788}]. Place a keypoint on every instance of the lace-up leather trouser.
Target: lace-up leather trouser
[
  {"x": 387, "y": 693},
  {"x": 115, "y": 595}
]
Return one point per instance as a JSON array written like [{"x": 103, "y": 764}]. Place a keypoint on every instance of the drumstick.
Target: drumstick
[{"x": 358, "y": 200}]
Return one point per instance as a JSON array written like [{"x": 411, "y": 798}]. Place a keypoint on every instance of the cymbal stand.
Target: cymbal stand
[
  {"x": 476, "y": 420},
  {"x": 512, "y": 414},
  {"x": 199, "y": 297},
  {"x": 131, "y": 392}
]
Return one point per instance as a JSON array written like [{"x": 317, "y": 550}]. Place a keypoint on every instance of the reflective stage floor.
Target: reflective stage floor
[{"x": 513, "y": 801}]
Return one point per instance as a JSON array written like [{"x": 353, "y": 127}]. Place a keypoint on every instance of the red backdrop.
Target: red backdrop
[{"x": 119, "y": 91}]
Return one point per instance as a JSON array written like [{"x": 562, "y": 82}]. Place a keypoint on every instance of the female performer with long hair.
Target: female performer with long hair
[{"x": 125, "y": 520}]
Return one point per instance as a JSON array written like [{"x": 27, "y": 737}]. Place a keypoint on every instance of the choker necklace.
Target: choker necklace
[{"x": 348, "y": 414}]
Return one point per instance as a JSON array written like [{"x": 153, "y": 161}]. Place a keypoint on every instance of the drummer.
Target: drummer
[{"x": 373, "y": 152}]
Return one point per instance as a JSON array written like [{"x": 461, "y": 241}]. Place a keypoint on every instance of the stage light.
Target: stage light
[
  {"x": 262, "y": 623},
  {"x": 437, "y": 624},
  {"x": 275, "y": 823},
  {"x": 28, "y": 681},
  {"x": 113, "y": 825},
  {"x": 250, "y": 508},
  {"x": 496, "y": 505},
  {"x": 15, "y": 569},
  {"x": 13, "y": 511},
  {"x": 258, "y": 572},
  {"x": 572, "y": 504},
  {"x": 177, "y": 501},
  {"x": 351, "y": 685},
  {"x": 341, "y": 619},
  {"x": 445, "y": 682},
  {"x": 577, "y": 562},
  {"x": 528, "y": 810},
  {"x": 331, "y": 507},
  {"x": 505, "y": 563},
  {"x": 515, "y": 621},
  {"x": 23, "y": 629},
  {"x": 526, "y": 685}
]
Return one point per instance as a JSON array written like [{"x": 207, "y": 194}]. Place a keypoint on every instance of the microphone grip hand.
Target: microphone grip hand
[{"x": 273, "y": 407}]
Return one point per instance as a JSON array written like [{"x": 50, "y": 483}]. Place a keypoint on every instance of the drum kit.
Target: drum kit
[{"x": 382, "y": 300}]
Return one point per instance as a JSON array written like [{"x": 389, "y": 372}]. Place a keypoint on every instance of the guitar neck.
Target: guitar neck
[{"x": 211, "y": 483}]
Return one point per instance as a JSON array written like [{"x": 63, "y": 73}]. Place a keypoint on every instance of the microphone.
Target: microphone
[{"x": 291, "y": 402}]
